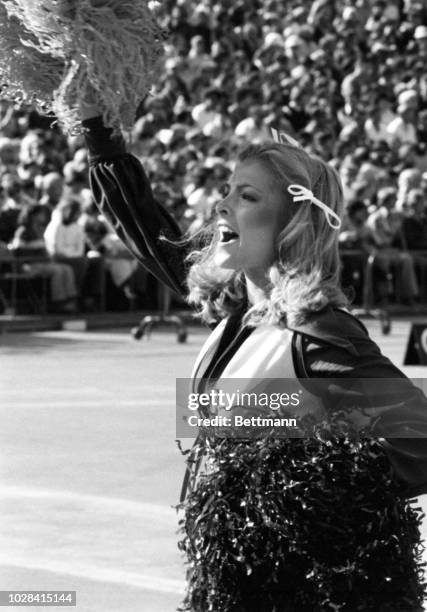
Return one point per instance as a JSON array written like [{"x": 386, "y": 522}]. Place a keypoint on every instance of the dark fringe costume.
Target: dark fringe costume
[{"x": 301, "y": 525}]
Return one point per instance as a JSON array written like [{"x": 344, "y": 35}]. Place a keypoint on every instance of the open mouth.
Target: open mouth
[{"x": 227, "y": 235}]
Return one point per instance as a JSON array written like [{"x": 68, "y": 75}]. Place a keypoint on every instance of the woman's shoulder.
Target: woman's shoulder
[
  {"x": 334, "y": 343},
  {"x": 333, "y": 326}
]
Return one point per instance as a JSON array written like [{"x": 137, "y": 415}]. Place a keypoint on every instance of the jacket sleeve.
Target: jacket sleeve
[
  {"x": 123, "y": 194},
  {"x": 356, "y": 375}
]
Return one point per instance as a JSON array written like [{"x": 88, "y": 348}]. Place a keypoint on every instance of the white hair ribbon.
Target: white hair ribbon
[
  {"x": 283, "y": 138},
  {"x": 301, "y": 194}
]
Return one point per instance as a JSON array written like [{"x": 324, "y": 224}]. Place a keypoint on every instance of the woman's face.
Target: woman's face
[{"x": 249, "y": 220}]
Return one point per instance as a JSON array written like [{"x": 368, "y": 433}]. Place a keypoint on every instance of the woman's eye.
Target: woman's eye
[
  {"x": 249, "y": 197},
  {"x": 224, "y": 190}
]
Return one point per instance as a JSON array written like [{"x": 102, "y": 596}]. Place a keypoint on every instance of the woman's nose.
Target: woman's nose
[{"x": 222, "y": 207}]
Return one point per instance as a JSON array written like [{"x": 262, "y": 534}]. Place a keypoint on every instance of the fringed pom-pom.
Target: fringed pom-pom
[
  {"x": 110, "y": 50},
  {"x": 301, "y": 525},
  {"x": 26, "y": 75}
]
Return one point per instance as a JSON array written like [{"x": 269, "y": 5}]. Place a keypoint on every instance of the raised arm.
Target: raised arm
[{"x": 123, "y": 193}]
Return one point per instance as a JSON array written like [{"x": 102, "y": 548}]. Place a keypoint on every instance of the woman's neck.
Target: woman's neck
[{"x": 256, "y": 287}]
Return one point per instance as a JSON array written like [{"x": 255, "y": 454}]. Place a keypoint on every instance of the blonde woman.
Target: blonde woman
[{"x": 301, "y": 524}]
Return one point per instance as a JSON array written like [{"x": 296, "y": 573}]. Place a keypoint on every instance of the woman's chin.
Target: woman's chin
[{"x": 225, "y": 260}]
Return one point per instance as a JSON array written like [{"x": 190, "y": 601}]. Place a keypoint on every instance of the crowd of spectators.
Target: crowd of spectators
[
  {"x": 49, "y": 222},
  {"x": 346, "y": 79}
]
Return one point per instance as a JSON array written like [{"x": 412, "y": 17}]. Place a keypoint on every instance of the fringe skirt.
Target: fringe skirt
[{"x": 300, "y": 526}]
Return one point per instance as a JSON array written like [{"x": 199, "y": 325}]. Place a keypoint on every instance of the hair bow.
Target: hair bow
[
  {"x": 283, "y": 138},
  {"x": 302, "y": 194}
]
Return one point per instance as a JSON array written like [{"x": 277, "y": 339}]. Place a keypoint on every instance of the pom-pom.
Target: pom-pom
[
  {"x": 301, "y": 525},
  {"x": 26, "y": 75},
  {"x": 109, "y": 48}
]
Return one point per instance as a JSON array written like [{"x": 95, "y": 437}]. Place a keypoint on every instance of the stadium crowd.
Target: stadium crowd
[{"x": 346, "y": 79}]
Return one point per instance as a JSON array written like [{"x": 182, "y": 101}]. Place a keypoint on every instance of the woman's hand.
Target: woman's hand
[
  {"x": 89, "y": 107},
  {"x": 87, "y": 111}
]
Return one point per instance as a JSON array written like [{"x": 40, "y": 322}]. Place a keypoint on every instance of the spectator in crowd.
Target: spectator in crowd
[
  {"x": 379, "y": 118},
  {"x": 385, "y": 221},
  {"x": 203, "y": 199},
  {"x": 420, "y": 36},
  {"x": 9, "y": 154},
  {"x": 408, "y": 179},
  {"x": 105, "y": 252},
  {"x": 402, "y": 130},
  {"x": 51, "y": 188},
  {"x": 357, "y": 243},
  {"x": 65, "y": 239},
  {"x": 414, "y": 226},
  {"x": 11, "y": 206},
  {"x": 207, "y": 115},
  {"x": 253, "y": 127},
  {"x": 386, "y": 225},
  {"x": 29, "y": 244},
  {"x": 414, "y": 230},
  {"x": 355, "y": 233},
  {"x": 125, "y": 271}
]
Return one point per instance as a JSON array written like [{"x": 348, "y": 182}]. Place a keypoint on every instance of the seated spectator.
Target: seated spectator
[
  {"x": 124, "y": 269},
  {"x": 126, "y": 274},
  {"x": 253, "y": 127},
  {"x": 408, "y": 179},
  {"x": 402, "y": 130},
  {"x": 414, "y": 231},
  {"x": 296, "y": 109},
  {"x": 296, "y": 50},
  {"x": 8, "y": 222},
  {"x": 29, "y": 244},
  {"x": 353, "y": 83},
  {"x": 379, "y": 118},
  {"x": 13, "y": 202},
  {"x": 51, "y": 188},
  {"x": 65, "y": 239},
  {"x": 75, "y": 181},
  {"x": 357, "y": 241},
  {"x": 321, "y": 16},
  {"x": 80, "y": 162},
  {"x": 422, "y": 125},
  {"x": 385, "y": 221},
  {"x": 414, "y": 226},
  {"x": 8, "y": 119},
  {"x": 9, "y": 154},
  {"x": 420, "y": 37},
  {"x": 355, "y": 233},
  {"x": 32, "y": 149},
  {"x": 197, "y": 55},
  {"x": 348, "y": 172},
  {"x": 386, "y": 224},
  {"x": 208, "y": 113},
  {"x": 202, "y": 200}
]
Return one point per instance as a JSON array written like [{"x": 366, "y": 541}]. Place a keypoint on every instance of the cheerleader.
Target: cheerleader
[
  {"x": 315, "y": 523},
  {"x": 282, "y": 524}
]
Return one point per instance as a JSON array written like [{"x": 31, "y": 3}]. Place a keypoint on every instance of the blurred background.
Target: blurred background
[{"x": 346, "y": 79}]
